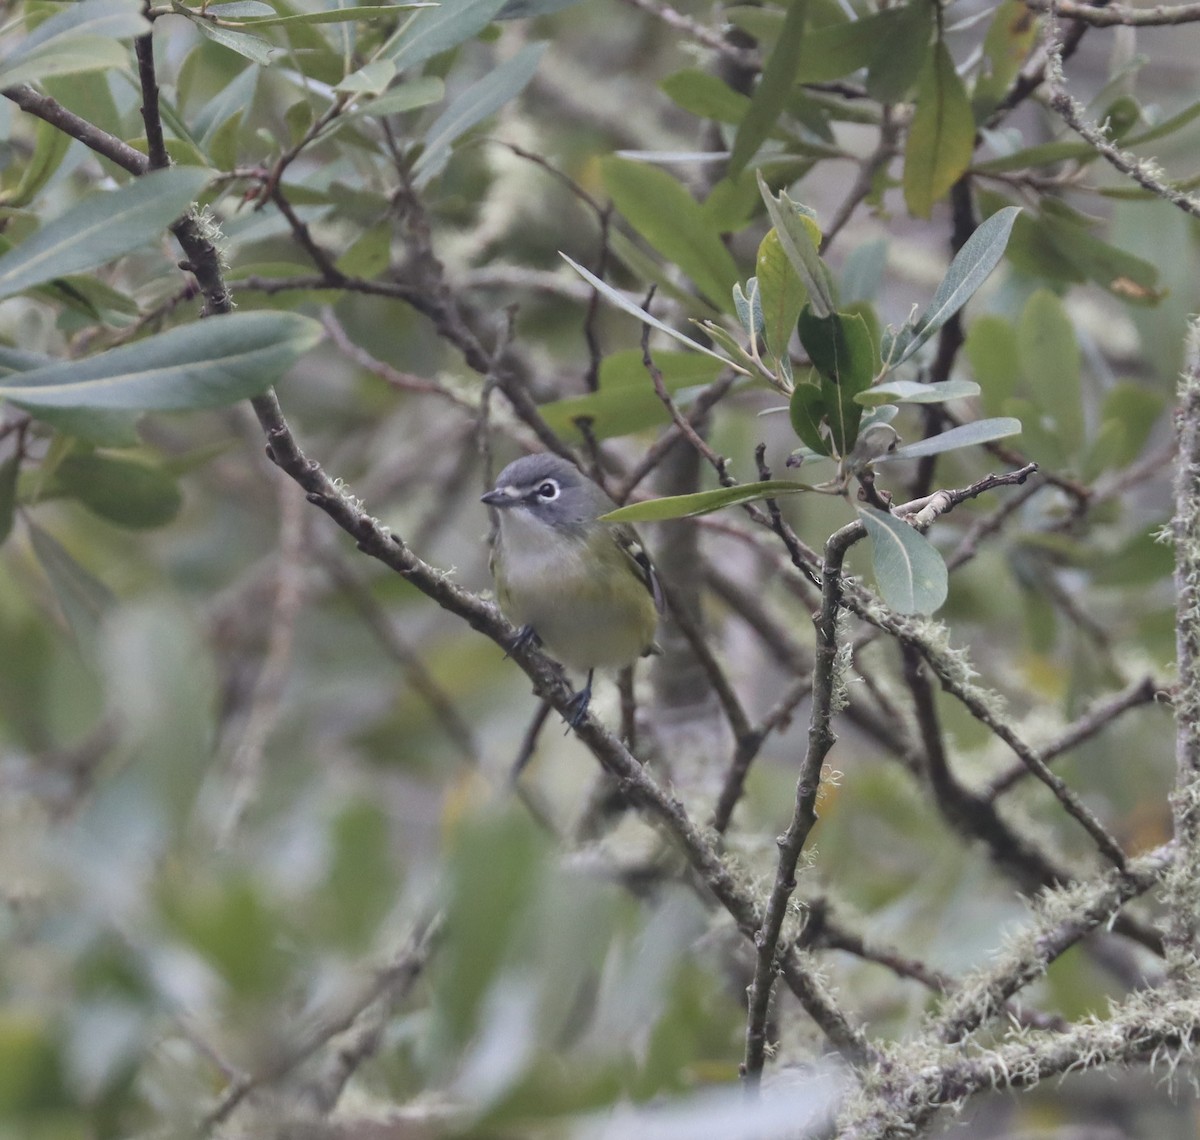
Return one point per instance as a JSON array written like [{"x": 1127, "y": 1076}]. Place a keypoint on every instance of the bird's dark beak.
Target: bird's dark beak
[{"x": 497, "y": 498}]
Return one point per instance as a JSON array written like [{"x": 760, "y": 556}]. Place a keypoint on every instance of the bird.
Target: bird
[{"x": 583, "y": 588}]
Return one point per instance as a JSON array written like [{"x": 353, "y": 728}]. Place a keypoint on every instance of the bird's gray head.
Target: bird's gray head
[{"x": 549, "y": 489}]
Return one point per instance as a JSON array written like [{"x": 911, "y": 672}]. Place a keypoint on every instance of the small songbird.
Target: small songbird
[{"x": 585, "y": 589}]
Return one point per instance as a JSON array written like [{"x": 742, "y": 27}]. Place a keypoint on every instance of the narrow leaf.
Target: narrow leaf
[
  {"x": 800, "y": 237},
  {"x": 808, "y": 415},
  {"x": 1006, "y": 46},
  {"x": 981, "y": 431},
  {"x": 941, "y": 138},
  {"x": 101, "y": 227},
  {"x": 980, "y": 254},
  {"x": 703, "y": 502},
  {"x": 435, "y": 30},
  {"x": 253, "y": 48},
  {"x": 81, "y": 596},
  {"x": 202, "y": 365},
  {"x": 901, "y": 52},
  {"x": 673, "y": 223},
  {"x": 622, "y": 302},
  {"x": 48, "y": 152},
  {"x": 332, "y": 16},
  {"x": 66, "y": 57},
  {"x": 843, "y": 353},
  {"x": 778, "y": 76},
  {"x": 1051, "y": 364},
  {"x": 124, "y": 491},
  {"x": 9, "y": 470},
  {"x": 64, "y": 43},
  {"x": 474, "y": 105},
  {"x": 626, "y": 401},
  {"x": 912, "y": 392},
  {"x": 911, "y": 574},
  {"x": 407, "y": 97},
  {"x": 781, "y": 292}
]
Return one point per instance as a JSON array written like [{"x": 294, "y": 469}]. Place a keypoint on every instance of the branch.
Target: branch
[
  {"x": 1091, "y": 723},
  {"x": 633, "y": 780},
  {"x": 1145, "y": 172},
  {"x": 820, "y": 740},
  {"x": 1119, "y": 14},
  {"x": 1183, "y": 895},
  {"x": 51, "y": 111}
]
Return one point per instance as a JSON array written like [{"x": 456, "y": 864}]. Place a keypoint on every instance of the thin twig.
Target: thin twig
[
  {"x": 1093, "y": 722},
  {"x": 791, "y": 843},
  {"x": 685, "y": 426},
  {"x": 52, "y": 112},
  {"x": 1145, "y": 172},
  {"x": 1119, "y": 14},
  {"x": 390, "y": 983}
]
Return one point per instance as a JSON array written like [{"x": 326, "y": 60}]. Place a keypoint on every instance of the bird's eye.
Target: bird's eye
[{"x": 548, "y": 490}]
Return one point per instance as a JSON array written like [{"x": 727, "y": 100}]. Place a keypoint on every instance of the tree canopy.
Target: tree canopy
[{"x": 875, "y": 318}]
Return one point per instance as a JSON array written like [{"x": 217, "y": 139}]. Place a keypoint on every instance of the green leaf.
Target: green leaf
[
  {"x": 800, "y": 238},
  {"x": 475, "y": 104},
  {"x": 70, "y": 57},
  {"x": 1135, "y": 410},
  {"x": 673, "y": 223},
  {"x": 206, "y": 364},
  {"x": 407, "y": 97},
  {"x": 625, "y": 401},
  {"x": 912, "y": 392},
  {"x": 748, "y": 306},
  {"x": 1044, "y": 154},
  {"x": 82, "y": 597},
  {"x": 50, "y": 146},
  {"x": 778, "y": 76},
  {"x": 1123, "y": 274},
  {"x": 972, "y": 265},
  {"x": 9, "y": 471},
  {"x": 941, "y": 137},
  {"x": 239, "y": 9},
  {"x": 435, "y": 30},
  {"x": 781, "y": 293},
  {"x": 330, "y": 16},
  {"x": 808, "y": 415},
  {"x": 124, "y": 491},
  {"x": 1167, "y": 127},
  {"x": 253, "y": 48},
  {"x": 1051, "y": 364},
  {"x": 968, "y": 435},
  {"x": 902, "y": 48},
  {"x": 1006, "y": 46},
  {"x": 631, "y": 254},
  {"x": 843, "y": 353},
  {"x": 101, "y": 227},
  {"x": 705, "y": 95},
  {"x": 80, "y": 37},
  {"x": 372, "y": 79},
  {"x": 839, "y": 49},
  {"x": 911, "y": 574},
  {"x": 622, "y": 302},
  {"x": 18, "y": 360},
  {"x": 703, "y": 502}
]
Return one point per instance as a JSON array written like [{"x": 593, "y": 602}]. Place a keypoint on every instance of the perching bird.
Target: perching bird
[{"x": 585, "y": 589}]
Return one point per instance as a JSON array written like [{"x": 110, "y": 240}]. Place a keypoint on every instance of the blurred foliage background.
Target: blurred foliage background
[{"x": 264, "y": 870}]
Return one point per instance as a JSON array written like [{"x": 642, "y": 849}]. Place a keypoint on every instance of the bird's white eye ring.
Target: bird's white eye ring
[{"x": 548, "y": 489}]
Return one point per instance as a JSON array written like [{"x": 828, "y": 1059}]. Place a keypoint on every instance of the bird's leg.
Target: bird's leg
[
  {"x": 526, "y": 636},
  {"x": 578, "y": 706}
]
